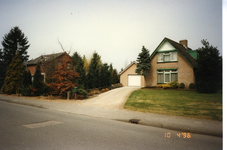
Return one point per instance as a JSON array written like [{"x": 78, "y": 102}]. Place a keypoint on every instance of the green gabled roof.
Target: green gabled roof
[{"x": 180, "y": 48}]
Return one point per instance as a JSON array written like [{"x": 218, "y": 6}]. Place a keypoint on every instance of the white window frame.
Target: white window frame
[{"x": 161, "y": 56}]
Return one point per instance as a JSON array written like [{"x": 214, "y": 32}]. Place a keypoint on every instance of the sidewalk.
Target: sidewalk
[{"x": 207, "y": 127}]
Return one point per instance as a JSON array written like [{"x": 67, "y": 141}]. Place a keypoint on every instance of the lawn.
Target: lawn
[{"x": 178, "y": 103}]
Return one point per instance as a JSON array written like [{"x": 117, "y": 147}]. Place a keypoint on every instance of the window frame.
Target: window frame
[
  {"x": 166, "y": 53},
  {"x": 164, "y": 72}
]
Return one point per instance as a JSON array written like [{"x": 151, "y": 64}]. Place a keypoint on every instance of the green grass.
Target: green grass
[{"x": 178, "y": 103}]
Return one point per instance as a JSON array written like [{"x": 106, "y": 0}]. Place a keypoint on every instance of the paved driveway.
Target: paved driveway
[{"x": 113, "y": 99}]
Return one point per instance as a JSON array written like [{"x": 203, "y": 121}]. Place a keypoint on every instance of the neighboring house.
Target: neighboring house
[
  {"x": 44, "y": 60},
  {"x": 170, "y": 61}
]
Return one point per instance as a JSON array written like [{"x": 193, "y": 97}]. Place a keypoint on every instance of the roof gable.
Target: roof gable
[
  {"x": 165, "y": 46},
  {"x": 126, "y": 68},
  {"x": 167, "y": 43}
]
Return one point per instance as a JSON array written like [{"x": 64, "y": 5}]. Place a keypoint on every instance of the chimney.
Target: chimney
[{"x": 184, "y": 43}]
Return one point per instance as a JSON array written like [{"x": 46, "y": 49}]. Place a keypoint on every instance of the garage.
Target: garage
[{"x": 134, "y": 80}]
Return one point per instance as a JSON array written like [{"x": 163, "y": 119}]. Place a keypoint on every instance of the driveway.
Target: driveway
[{"x": 113, "y": 99}]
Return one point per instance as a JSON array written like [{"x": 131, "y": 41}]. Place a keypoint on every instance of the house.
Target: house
[
  {"x": 170, "y": 61},
  {"x": 43, "y": 61},
  {"x": 129, "y": 77}
]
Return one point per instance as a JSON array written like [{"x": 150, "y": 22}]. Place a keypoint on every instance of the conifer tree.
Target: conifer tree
[
  {"x": 116, "y": 77},
  {"x": 143, "y": 63},
  {"x": 13, "y": 42},
  {"x": 38, "y": 82},
  {"x": 208, "y": 74},
  {"x": 93, "y": 72},
  {"x": 29, "y": 78},
  {"x": 78, "y": 64},
  {"x": 3, "y": 69},
  {"x": 14, "y": 76},
  {"x": 105, "y": 76}
]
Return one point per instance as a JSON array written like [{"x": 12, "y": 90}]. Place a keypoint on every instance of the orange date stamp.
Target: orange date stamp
[{"x": 185, "y": 135}]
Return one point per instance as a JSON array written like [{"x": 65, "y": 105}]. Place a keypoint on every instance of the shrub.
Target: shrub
[
  {"x": 25, "y": 90},
  {"x": 174, "y": 84},
  {"x": 116, "y": 85},
  {"x": 83, "y": 93},
  {"x": 166, "y": 86},
  {"x": 182, "y": 86},
  {"x": 191, "y": 86},
  {"x": 78, "y": 96}
]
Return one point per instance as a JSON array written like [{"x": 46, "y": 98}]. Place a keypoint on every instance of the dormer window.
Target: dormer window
[{"x": 167, "y": 56}]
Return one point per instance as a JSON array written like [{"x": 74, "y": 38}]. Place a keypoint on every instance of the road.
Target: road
[{"x": 25, "y": 127}]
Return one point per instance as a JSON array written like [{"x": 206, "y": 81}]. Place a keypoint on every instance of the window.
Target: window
[
  {"x": 165, "y": 76},
  {"x": 160, "y": 76},
  {"x": 167, "y": 56}
]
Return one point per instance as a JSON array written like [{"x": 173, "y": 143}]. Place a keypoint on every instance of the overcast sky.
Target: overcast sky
[{"x": 115, "y": 29}]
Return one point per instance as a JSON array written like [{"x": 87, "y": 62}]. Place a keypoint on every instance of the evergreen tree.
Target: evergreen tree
[
  {"x": 105, "y": 76},
  {"x": 14, "y": 76},
  {"x": 208, "y": 75},
  {"x": 3, "y": 69},
  {"x": 78, "y": 64},
  {"x": 38, "y": 82},
  {"x": 93, "y": 72},
  {"x": 111, "y": 73},
  {"x": 13, "y": 42},
  {"x": 29, "y": 78},
  {"x": 143, "y": 62},
  {"x": 116, "y": 77}
]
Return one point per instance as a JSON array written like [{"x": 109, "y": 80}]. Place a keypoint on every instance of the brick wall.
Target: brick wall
[{"x": 185, "y": 71}]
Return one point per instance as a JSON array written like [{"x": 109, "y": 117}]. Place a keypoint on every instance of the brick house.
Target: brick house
[
  {"x": 44, "y": 60},
  {"x": 170, "y": 61}
]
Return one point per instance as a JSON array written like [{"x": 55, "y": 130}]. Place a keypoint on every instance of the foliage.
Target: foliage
[
  {"x": 38, "y": 82},
  {"x": 14, "y": 76},
  {"x": 182, "y": 86},
  {"x": 78, "y": 66},
  {"x": 116, "y": 85},
  {"x": 25, "y": 90},
  {"x": 115, "y": 77},
  {"x": 105, "y": 75},
  {"x": 65, "y": 78},
  {"x": 13, "y": 42},
  {"x": 208, "y": 75},
  {"x": 191, "y": 86},
  {"x": 83, "y": 93},
  {"x": 27, "y": 79},
  {"x": 3, "y": 68},
  {"x": 174, "y": 84},
  {"x": 93, "y": 72},
  {"x": 87, "y": 62},
  {"x": 143, "y": 62},
  {"x": 166, "y": 86}
]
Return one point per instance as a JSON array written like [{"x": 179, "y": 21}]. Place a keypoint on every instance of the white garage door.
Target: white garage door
[{"x": 134, "y": 80}]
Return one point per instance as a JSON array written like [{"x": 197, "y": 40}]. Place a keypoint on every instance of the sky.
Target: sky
[{"x": 115, "y": 29}]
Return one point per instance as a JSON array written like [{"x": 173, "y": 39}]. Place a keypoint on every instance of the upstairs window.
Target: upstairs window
[{"x": 167, "y": 56}]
